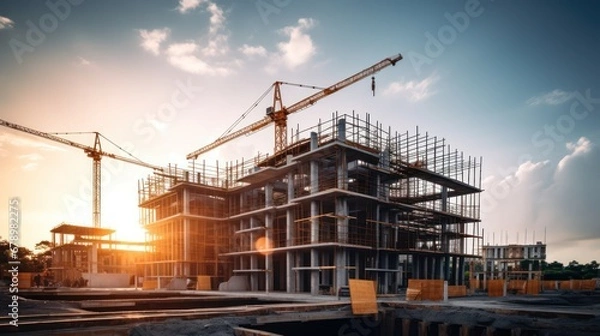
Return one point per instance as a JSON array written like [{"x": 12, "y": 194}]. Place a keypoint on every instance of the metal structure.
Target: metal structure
[
  {"x": 346, "y": 199},
  {"x": 278, "y": 113},
  {"x": 95, "y": 153}
]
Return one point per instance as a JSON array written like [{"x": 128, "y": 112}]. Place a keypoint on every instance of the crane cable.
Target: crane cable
[
  {"x": 255, "y": 104},
  {"x": 102, "y": 135},
  {"x": 252, "y": 107}
]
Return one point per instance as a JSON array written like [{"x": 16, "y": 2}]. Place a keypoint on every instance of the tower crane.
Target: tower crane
[
  {"x": 95, "y": 153},
  {"x": 277, "y": 113}
]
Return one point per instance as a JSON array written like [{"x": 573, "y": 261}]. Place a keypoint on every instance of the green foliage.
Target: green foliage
[
  {"x": 30, "y": 261},
  {"x": 574, "y": 270}
]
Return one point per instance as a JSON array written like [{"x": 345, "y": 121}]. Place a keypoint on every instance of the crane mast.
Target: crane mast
[
  {"x": 278, "y": 113},
  {"x": 95, "y": 153}
]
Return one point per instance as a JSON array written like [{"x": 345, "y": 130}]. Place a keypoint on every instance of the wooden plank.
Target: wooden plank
[{"x": 363, "y": 297}]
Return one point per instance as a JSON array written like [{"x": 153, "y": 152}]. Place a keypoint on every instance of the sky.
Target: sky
[{"x": 514, "y": 82}]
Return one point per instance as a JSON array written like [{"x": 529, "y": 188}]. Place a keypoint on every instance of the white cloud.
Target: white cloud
[
  {"x": 6, "y": 23},
  {"x": 580, "y": 148},
  {"x": 555, "y": 97},
  {"x": 188, "y": 5},
  {"x": 185, "y": 57},
  {"x": 151, "y": 39},
  {"x": 253, "y": 50},
  {"x": 84, "y": 62},
  {"x": 216, "y": 46},
  {"x": 32, "y": 161},
  {"x": 31, "y": 157},
  {"x": 217, "y": 35},
  {"x": 217, "y": 18},
  {"x": 413, "y": 90},
  {"x": 298, "y": 49},
  {"x": 26, "y": 142},
  {"x": 560, "y": 197},
  {"x": 195, "y": 56}
]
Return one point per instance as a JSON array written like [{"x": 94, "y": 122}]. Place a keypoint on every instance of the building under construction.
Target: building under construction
[{"x": 347, "y": 198}]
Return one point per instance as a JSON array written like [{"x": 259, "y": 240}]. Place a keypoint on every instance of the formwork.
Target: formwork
[{"x": 347, "y": 198}]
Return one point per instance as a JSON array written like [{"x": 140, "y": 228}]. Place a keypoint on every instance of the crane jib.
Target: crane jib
[{"x": 278, "y": 114}]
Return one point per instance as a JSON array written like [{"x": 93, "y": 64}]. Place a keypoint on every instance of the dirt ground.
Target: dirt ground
[
  {"x": 565, "y": 313},
  {"x": 222, "y": 326}
]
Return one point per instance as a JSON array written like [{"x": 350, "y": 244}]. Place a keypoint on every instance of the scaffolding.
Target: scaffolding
[{"x": 347, "y": 198}]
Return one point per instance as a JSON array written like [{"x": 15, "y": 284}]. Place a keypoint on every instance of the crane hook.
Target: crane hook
[{"x": 373, "y": 85}]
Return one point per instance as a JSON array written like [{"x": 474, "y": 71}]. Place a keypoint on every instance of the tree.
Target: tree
[
  {"x": 44, "y": 253},
  {"x": 574, "y": 270}
]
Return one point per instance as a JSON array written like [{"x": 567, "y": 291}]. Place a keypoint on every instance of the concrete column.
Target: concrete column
[
  {"x": 461, "y": 271},
  {"x": 358, "y": 274},
  {"x": 386, "y": 275},
  {"x": 341, "y": 128},
  {"x": 314, "y": 222},
  {"x": 425, "y": 267},
  {"x": 253, "y": 258},
  {"x": 454, "y": 270},
  {"x": 341, "y": 205},
  {"x": 289, "y": 233},
  {"x": 289, "y": 256},
  {"x": 416, "y": 266},
  {"x": 445, "y": 291},
  {"x": 186, "y": 234},
  {"x": 269, "y": 256},
  {"x": 314, "y": 253},
  {"x": 269, "y": 238},
  {"x": 93, "y": 258},
  {"x": 341, "y": 273}
]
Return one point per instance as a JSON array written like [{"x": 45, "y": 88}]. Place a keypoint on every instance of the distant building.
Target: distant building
[
  {"x": 513, "y": 261},
  {"x": 80, "y": 250}
]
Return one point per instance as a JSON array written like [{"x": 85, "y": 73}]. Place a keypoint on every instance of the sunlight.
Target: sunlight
[{"x": 264, "y": 245}]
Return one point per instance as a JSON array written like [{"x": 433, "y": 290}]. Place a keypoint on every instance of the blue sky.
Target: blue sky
[{"x": 514, "y": 82}]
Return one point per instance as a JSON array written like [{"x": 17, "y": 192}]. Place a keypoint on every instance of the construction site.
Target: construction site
[
  {"x": 345, "y": 199},
  {"x": 280, "y": 241}
]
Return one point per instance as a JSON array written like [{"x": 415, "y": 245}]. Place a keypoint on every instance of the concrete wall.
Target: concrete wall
[{"x": 107, "y": 280}]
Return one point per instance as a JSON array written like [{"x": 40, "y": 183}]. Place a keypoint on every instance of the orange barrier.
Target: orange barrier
[
  {"x": 150, "y": 284},
  {"x": 457, "y": 291},
  {"x": 25, "y": 280},
  {"x": 578, "y": 285},
  {"x": 203, "y": 282},
  {"x": 549, "y": 285},
  {"x": 517, "y": 286},
  {"x": 430, "y": 290},
  {"x": 588, "y": 285},
  {"x": 533, "y": 287},
  {"x": 495, "y": 287}
]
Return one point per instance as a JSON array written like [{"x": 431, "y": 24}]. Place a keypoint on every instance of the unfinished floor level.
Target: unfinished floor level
[{"x": 347, "y": 198}]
